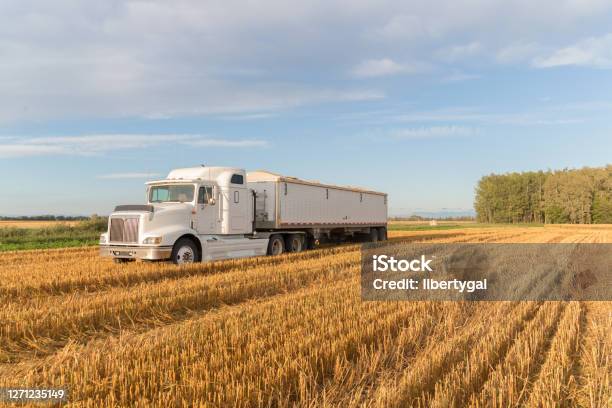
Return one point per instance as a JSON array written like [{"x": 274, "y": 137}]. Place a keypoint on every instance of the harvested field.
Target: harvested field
[
  {"x": 34, "y": 224},
  {"x": 292, "y": 331}
]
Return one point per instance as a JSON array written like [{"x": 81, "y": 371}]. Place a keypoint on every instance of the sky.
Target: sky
[{"x": 417, "y": 99}]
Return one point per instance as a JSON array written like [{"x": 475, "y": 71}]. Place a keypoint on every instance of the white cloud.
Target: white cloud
[
  {"x": 479, "y": 116},
  {"x": 517, "y": 52},
  {"x": 384, "y": 67},
  {"x": 432, "y": 132},
  {"x": 458, "y": 52},
  {"x": 227, "y": 143},
  {"x": 529, "y": 119},
  {"x": 99, "y": 144},
  {"x": 24, "y": 150},
  {"x": 591, "y": 52},
  {"x": 373, "y": 68},
  {"x": 125, "y": 176},
  {"x": 250, "y": 116},
  {"x": 160, "y": 59},
  {"x": 459, "y": 114},
  {"x": 406, "y": 27}
]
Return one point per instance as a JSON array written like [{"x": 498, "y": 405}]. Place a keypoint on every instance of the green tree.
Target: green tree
[{"x": 579, "y": 196}]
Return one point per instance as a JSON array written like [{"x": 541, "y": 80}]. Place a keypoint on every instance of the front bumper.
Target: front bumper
[{"x": 136, "y": 252}]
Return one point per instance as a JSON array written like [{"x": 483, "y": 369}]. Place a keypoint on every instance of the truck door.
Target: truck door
[{"x": 206, "y": 211}]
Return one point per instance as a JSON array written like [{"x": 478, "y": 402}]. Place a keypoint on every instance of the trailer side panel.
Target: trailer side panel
[
  {"x": 304, "y": 204},
  {"x": 285, "y": 202}
]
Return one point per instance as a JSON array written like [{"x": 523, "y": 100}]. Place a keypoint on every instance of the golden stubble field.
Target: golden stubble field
[
  {"x": 35, "y": 224},
  {"x": 292, "y": 331}
]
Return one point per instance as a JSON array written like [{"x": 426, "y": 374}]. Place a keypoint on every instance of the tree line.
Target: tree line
[{"x": 569, "y": 196}]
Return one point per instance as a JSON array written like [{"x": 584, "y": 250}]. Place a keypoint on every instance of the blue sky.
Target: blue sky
[{"x": 416, "y": 99}]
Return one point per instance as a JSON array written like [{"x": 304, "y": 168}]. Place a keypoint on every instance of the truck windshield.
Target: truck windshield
[{"x": 179, "y": 193}]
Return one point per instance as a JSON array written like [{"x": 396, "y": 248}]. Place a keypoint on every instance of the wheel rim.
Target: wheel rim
[
  {"x": 276, "y": 247},
  {"x": 184, "y": 255}
]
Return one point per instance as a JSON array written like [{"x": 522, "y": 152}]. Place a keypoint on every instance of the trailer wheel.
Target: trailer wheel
[
  {"x": 382, "y": 234},
  {"x": 276, "y": 245},
  {"x": 184, "y": 252},
  {"x": 373, "y": 235},
  {"x": 294, "y": 243}
]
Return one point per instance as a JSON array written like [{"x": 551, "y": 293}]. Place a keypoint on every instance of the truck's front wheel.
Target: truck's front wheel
[
  {"x": 276, "y": 245},
  {"x": 184, "y": 252}
]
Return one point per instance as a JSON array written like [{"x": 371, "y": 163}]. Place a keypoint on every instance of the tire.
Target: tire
[
  {"x": 184, "y": 251},
  {"x": 294, "y": 243},
  {"x": 276, "y": 245},
  {"x": 373, "y": 235},
  {"x": 382, "y": 233}
]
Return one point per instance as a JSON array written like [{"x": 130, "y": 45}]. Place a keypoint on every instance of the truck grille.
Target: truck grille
[{"x": 124, "y": 230}]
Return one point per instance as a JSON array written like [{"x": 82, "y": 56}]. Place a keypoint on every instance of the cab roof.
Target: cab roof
[{"x": 220, "y": 175}]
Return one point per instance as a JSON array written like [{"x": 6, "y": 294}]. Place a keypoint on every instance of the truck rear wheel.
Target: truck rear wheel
[
  {"x": 184, "y": 252},
  {"x": 382, "y": 233},
  {"x": 294, "y": 243},
  {"x": 276, "y": 245},
  {"x": 373, "y": 235}
]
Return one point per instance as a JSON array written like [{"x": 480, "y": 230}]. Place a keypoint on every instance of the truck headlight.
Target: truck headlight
[
  {"x": 152, "y": 240},
  {"x": 103, "y": 239}
]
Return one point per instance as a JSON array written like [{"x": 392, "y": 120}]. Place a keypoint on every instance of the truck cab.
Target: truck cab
[{"x": 195, "y": 214}]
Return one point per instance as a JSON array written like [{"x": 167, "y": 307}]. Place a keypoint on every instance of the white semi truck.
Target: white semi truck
[{"x": 208, "y": 213}]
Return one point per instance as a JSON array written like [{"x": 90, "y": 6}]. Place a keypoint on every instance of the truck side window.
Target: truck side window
[
  {"x": 204, "y": 194},
  {"x": 237, "y": 179},
  {"x": 236, "y": 196}
]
